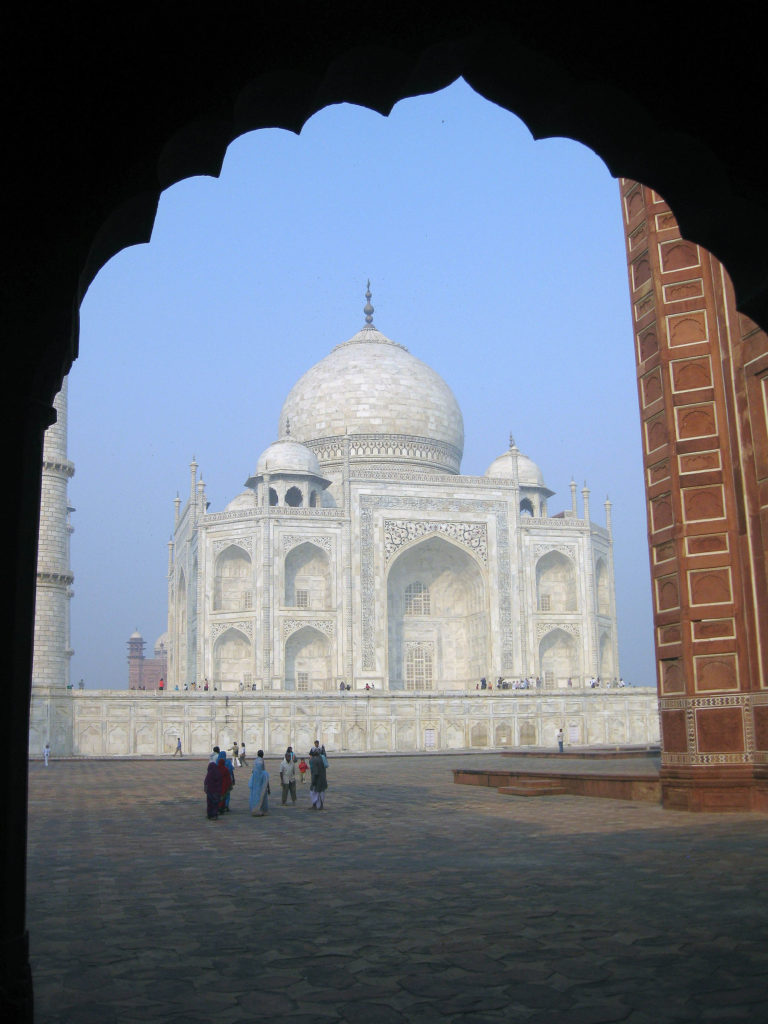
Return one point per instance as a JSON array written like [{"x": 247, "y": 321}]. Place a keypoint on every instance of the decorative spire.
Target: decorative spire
[
  {"x": 368, "y": 308},
  {"x": 512, "y": 444}
]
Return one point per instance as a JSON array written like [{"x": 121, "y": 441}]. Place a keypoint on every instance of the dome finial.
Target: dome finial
[
  {"x": 368, "y": 308},
  {"x": 512, "y": 444}
]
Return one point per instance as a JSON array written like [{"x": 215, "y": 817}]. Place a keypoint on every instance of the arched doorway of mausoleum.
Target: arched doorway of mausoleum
[
  {"x": 556, "y": 583},
  {"x": 559, "y": 658},
  {"x": 438, "y": 628},
  {"x": 232, "y": 659},
  {"x": 602, "y": 587},
  {"x": 308, "y": 665},
  {"x": 232, "y": 580},
  {"x": 307, "y": 577}
]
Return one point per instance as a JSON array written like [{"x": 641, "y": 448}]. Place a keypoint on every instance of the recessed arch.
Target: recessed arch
[
  {"x": 559, "y": 658},
  {"x": 606, "y": 662},
  {"x": 232, "y": 659},
  {"x": 602, "y": 587},
  {"x": 450, "y": 647},
  {"x": 308, "y": 661},
  {"x": 556, "y": 583},
  {"x": 307, "y": 576},
  {"x": 232, "y": 580}
]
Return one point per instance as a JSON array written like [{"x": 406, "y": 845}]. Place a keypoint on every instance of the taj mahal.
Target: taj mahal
[
  {"x": 358, "y": 554},
  {"x": 362, "y": 588}
]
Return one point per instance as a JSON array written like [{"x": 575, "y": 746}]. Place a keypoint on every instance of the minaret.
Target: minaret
[
  {"x": 574, "y": 502},
  {"x": 50, "y": 666},
  {"x": 192, "y": 488},
  {"x": 585, "y": 499}
]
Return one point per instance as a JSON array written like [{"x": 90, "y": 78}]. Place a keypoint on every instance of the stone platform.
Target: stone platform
[
  {"x": 631, "y": 775},
  {"x": 116, "y": 723},
  {"x": 408, "y": 901}
]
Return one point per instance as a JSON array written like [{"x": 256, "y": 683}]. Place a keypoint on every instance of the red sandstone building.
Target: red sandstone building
[{"x": 146, "y": 673}]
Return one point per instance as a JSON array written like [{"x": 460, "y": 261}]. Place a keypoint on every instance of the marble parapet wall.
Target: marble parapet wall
[{"x": 119, "y": 723}]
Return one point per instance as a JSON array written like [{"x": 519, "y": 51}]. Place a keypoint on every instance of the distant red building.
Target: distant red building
[{"x": 146, "y": 673}]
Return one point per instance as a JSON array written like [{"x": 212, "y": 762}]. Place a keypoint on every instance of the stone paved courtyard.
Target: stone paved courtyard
[{"x": 408, "y": 900}]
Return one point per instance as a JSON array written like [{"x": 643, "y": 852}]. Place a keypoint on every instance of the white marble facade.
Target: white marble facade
[{"x": 359, "y": 556}]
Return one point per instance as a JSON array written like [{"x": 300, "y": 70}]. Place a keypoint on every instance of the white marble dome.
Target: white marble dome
[
  {"x": 371, "y": 386},
  {"x": 528, "y": 473},
  {"x": 288, "y": 456}
]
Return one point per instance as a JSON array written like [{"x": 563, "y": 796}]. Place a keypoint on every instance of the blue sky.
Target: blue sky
[{"x": 497, "y": 260}]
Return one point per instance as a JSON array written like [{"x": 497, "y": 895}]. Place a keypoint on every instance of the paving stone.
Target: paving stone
[{"x": 417, "y": 903}]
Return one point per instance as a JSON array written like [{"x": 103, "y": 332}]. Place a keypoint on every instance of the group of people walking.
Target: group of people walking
[{"x": 220, "y": 780}]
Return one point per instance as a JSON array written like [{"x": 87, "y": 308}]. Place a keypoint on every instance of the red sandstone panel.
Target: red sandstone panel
[
  {"x": 696, "y": 420},
  {"x": 641, "y": 270},
  {"x": 681, "y": 291},
  {"x": 672, "y": 678},
  {"x": 670, "y": 634},
  {"x": 652, "y": 389},
  {"x": 712, "y": 629},
  {"x": 691, "y": 374},
  {"x": 716, "y": 672},
  {"x": 678, "y": 255},
  {"x": 700, "y": 462},
  {"x": 673, "y": 733},
  {"x": 720, "y": 730},
  {"x": 661, "y": 512},
  {"x": 707, "y": 545},
  {"x": 647, "y": 344},
  {"x": 667, "y": 593},
  {"x": 710, "y": 586},
  {"x": 761, "y": 726},
  {"x": 702, "y": 503},
  {"x": 664, "y": 552},
  {"x": 656, "y": 433},
  {"x": 658, "y": 473}
]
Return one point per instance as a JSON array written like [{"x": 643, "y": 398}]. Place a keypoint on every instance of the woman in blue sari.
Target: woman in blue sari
[{"x": 259, "y": 787}]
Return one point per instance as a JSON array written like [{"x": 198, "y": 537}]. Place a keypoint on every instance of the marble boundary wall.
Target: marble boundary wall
[{"x": 119, "y": 723}]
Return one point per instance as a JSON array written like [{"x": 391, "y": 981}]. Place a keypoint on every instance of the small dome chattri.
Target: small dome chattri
[
  {"x": 528, "y": 473},
  {"x": 288, "y": 456},
  {"x": 246, "y": 499}
]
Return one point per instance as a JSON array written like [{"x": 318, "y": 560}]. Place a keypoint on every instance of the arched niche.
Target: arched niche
[
  {"x": 307, "y": 577},
  {"x": 448, "y": 621},
  {"x": 232, "y": 659},
  {"x": 308, "y": 664},
  {"x": 556, "y": 586},
  {"x": 559, "y": 658},
  {"x": 602, "y": 587},
  {"x": 526, "y": 507},
  {"x": 294, "y": 498},
  {"x": 607, "y": 670},
  {"x": 232, "y": 589}
]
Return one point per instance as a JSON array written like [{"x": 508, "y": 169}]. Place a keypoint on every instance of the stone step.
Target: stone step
[{"x": 533, "y": 789}]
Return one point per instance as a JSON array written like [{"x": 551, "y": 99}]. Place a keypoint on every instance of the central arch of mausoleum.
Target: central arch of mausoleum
[{"x": 438, "y": 618}]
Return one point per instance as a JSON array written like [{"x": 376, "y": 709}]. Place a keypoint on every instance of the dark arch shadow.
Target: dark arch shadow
[{"x": 106, "y": 112}]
